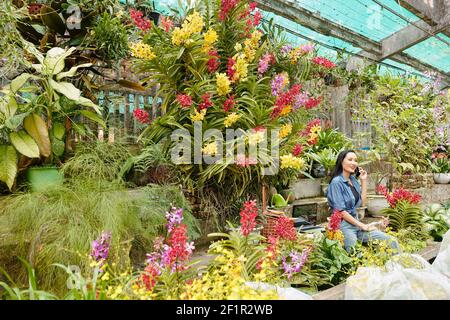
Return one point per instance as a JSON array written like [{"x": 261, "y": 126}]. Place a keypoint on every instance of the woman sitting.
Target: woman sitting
[{"x": 345, "y": 194}]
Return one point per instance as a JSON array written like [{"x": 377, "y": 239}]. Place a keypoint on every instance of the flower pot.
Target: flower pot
[
  {"x": 306, "y": 188},
  {"x": 361, "y": 212},
  {"x": 43, "y": 178},
  {"x": 375, "y": 203},
  {"x": 324, "y": 188},
  {"x": 441, "y": 178}
]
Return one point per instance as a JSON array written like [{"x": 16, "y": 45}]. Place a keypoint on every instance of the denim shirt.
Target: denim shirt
[{"x": 341, "y": 197}]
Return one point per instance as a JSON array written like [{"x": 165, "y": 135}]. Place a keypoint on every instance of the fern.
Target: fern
[{"x": 404, "y": 215}]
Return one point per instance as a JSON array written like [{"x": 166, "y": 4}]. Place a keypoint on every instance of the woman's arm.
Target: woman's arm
[{"x": 350, "y": 219}]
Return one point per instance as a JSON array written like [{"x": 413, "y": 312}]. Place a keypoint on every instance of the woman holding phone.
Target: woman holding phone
[{"x": 345, "y": 194}]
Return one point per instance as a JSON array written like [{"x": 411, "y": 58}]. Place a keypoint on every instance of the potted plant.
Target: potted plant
[
  {"x": 441, "y": 170},
  {"x": 327, "y": 159},
  {"x": 278, "y": 202},
  {"x": 36, "y": 108}
]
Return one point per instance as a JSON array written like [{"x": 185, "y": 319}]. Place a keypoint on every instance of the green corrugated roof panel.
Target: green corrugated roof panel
[
  {"x": 365, "y": 17},
  {"x": 433, "y": 51}
]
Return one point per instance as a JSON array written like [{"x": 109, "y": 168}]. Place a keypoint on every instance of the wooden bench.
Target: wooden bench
[{"x": 338, "y": 292}]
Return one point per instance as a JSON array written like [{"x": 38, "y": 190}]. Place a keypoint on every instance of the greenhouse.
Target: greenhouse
[{"x": 225, "y": 150}]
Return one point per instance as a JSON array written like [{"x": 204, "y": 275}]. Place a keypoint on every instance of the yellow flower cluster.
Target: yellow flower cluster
[
  {"x": 289, "y": 161},
  {"x": 335, "y": 235},
  {"x": 251, "y": 45},
  {"x": 210, "y": 148},
  {"x": 255, "y": 138},
  {"x": 193, "y": 24},
  {"x": 244, "y": 58},
  {"x": 225, "y": 282},
  {"x": 314, "y": 133},
  {"x": 269, "y": 271},
  {"x": 286, "y": 110},
  {"x": 230, "y": 119},
  {"x": 198, "y": 116},
  {"x": 223, "y": 84},
  {"x": 295, "y": 54},
  {"x": 141, "y": 293},
  {"x": 209, "y": 38},
  {"x": 285, "y": 131},
  {"x": 142, "y": 51}
]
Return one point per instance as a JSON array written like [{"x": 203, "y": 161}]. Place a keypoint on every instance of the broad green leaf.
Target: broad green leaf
[
  {"x": 8, "y": 106},
  {"x": 131, "y": 85},
  {"x": 52, "y": 20},
  {"x": 88, "y": 103},
  {"x": 79, "y": 128},
  {"x": 58, "y": 130},
  {"x": 72, "y": 71},
  {"x": 67, "y": 89},
  {"x": 94, "y": 117},
  {"x": 15, "y": 121},
  {"x": 19, "y": 81},
  {"x": 58, "y": 147},
  {"x": 37, "y": 129},
  {"x": 38, "y": 67},
  {"x": 54, "y": 60},
  {"x": 28, "y": 46},
  {"x": 8, "y": 165},
  {"x": 24, "y": 144}
]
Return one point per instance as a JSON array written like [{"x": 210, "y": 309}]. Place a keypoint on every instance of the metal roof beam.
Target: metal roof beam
[
  {"x": 432, "y": 11},
  {"x": 411, "y": 35},
  {"x": 372, "y": 49}
]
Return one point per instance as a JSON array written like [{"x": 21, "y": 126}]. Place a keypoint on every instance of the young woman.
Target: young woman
[{"x": 346, "y": 194}]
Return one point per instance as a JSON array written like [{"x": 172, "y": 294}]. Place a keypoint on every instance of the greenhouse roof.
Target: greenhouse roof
[{"x": 407, "y": 35}]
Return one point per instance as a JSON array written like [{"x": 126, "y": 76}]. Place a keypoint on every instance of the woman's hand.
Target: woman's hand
[
  {"x": 362, "y": 174},
  {"x": 384, "y": 221},
  {"x": 367, "y": 228}
]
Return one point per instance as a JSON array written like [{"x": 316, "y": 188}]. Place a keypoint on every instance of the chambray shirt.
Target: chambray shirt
[{"x": 341, "y": 197}]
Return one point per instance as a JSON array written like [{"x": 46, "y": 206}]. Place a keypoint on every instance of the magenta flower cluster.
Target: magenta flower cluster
[
  {"x": 294, "y": 262},
  {"x": 100, "y": 247}
]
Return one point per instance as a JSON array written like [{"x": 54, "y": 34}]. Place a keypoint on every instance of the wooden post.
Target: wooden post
[{"x": 264, "y": 198}]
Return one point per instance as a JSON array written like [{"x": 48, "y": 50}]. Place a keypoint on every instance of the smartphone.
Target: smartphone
[{"x": 357, "y": 173}]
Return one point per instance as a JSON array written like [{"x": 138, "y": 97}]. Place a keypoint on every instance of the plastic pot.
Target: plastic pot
[{"x": 43, "y": 178}]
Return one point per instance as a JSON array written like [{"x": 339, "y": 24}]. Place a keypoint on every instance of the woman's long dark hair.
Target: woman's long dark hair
[{"x": 338, "y": 166}]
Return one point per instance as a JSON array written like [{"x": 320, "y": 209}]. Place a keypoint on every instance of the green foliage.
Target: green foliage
[
  {"x": 11, "y": 52},
  {"x": 333, "y": 260},
  {"x": 401, "y": 111},
  {"x": 33, "y": 104},
  {"x": 326, "y": 157},
  {"x": 437, "y": 220},
  {"x": 331, "y": 139},
  {"x": 110, "y": 38},
  {"x": 441, "y": 165},
  {"x": 97, "y": 161},
  {"x": 404, "y": 215},
  {"x": 58, "y": 226},
  {"x": 13, "y": 292},
  {"x": 249, "y": 247}
]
